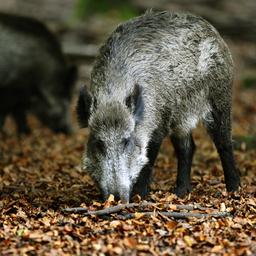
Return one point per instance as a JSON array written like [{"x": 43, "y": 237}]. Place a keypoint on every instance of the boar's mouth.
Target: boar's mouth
[
  {"x": 124, "y": 197},
  {"x": 120, "y": 192}
]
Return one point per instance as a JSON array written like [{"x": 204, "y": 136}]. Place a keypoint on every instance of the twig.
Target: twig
[
  {"x": 109, "y": 210},
  {"x": 190, "y": 207},
  {"x": 117, "y": 208},
  {"x": 178, "y": 215}
]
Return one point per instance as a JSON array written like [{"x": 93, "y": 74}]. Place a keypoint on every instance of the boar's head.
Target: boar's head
[{"x": 115, "y": 151}]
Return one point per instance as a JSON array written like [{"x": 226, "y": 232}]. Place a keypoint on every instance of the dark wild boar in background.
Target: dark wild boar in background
[
  {"x": 157, "y": 75},
  {"x": 34, "y": 75}
]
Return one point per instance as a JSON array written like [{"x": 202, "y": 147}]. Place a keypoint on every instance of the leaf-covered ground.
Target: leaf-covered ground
[{"x": 40, "y": 174}]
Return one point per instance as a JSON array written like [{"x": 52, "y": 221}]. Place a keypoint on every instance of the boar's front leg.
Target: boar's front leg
[
  {"x": 21, "y": 121},
  {"x": 142, "y": 185},
  {"x": 184, "y": 147}
]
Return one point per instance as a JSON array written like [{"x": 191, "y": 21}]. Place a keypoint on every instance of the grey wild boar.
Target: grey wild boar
[
  {"x": 157, "y": 75},
  {"x": 34, "y": 75}
]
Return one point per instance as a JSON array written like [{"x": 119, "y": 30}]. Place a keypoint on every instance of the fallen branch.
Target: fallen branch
[
  {"x": 109, "y": 210},
  {"x": 178, "y": 215},
  {"x": 118, "y": 208},
  {"x": 124, "y": 216}
]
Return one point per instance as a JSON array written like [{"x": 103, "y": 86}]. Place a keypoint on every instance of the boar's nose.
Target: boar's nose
[{"x": 123, "y": 197}]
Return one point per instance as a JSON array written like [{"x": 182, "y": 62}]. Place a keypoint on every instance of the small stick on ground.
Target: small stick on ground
[
  {"x": 178, "y": 215},
  {"x": 109, "y": 210},
  {"x": 118, "y": 208}
]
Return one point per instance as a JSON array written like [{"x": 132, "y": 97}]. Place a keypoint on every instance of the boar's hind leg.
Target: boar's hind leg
[
  {"x": 142, "y": 185},
  {"x": 21, "y": 121},
  {"x": 184, "y": 147},
  {"x": 220, "y": 131}
]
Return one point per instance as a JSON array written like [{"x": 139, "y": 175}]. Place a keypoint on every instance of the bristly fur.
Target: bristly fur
[{"x": 185, "y": 71}]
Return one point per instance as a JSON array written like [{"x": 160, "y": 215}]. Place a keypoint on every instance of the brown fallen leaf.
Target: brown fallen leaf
[{"x": 130, "y": 242}]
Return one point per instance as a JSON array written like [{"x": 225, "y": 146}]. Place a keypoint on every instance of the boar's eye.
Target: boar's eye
[
  {"x": 137, "y": 144},
  {"x": 99, "y": 146}
]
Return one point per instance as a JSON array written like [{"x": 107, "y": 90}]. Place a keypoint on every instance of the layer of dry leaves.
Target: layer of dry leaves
[{"x": 40, "y": 174}]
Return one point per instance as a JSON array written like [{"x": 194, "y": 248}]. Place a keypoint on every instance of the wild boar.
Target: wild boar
[
  {"x": 157, "y": 75},
  {"x": 34, "y": 75}
]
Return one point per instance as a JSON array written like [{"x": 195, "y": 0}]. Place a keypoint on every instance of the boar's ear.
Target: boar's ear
[
  {"x": 135, "y": 102},
  {"x": 83, "y": 106}
]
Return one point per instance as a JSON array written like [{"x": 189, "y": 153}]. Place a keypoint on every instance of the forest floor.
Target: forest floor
[{"x": 40, "y": 175}]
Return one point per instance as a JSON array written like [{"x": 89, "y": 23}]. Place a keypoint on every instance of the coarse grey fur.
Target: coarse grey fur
[{"x": 156, "y": 75}]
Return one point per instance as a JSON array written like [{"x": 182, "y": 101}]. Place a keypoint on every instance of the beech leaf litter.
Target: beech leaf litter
[{"x": 49, "y": 206}]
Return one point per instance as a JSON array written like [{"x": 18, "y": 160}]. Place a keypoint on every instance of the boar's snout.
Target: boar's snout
[{"x": 122, "y": 194}]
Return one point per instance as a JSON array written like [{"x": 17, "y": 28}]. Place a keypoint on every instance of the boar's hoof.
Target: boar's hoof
[
  {"x": 233, "y": 180},
  {"x": 183, "y": 190},
  {"x": 233, "y": 185}
]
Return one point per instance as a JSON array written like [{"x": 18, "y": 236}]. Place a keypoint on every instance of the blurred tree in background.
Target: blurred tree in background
[{"x": 120, "y": 9}]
